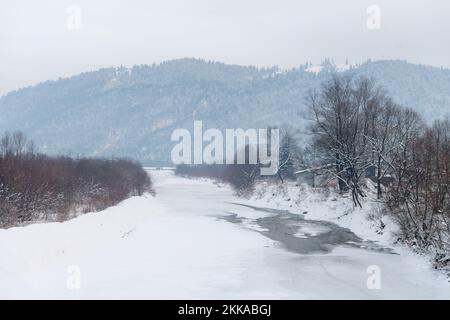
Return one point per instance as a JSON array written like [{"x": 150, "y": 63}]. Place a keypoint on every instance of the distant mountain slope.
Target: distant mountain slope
[
  {"x": 132, "y": 112},
  {"x": 424, "y": 88}
]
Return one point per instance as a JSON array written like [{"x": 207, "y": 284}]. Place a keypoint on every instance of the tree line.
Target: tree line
[
  {"x": 36, "y": 187},
  {"x": 359, "y": 134}
]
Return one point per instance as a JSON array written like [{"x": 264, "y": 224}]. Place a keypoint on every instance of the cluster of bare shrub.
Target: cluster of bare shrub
[
  {"x": 242, "y": 177},
  {"x": 420, "y": 194},
  {"x": 360, "y": 133},
  {"x": 36, "y": 187}
]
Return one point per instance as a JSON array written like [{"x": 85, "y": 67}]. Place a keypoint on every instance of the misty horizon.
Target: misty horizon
[{"x": 42, "y": 41}]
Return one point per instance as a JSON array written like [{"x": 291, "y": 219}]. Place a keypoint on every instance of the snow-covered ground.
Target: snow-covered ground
[{"x": 175, "y": 246}]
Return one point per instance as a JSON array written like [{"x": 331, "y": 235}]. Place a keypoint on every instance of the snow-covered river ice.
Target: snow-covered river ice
[
  {"x": 197, "y": 240},
  {"x": 300, "y": 235}
]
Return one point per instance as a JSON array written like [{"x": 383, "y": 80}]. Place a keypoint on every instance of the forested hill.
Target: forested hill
[{"x": 131, "y": 112}]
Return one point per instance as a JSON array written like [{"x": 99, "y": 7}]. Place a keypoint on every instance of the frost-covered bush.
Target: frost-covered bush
[
  {"x": 36, "y": 187},
  {"x": 420, "y": 196}
]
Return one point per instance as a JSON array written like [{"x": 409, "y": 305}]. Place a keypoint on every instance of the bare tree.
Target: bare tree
[
  {"x": 342, "y": 114},
  {"x": 290, "y": 154}
]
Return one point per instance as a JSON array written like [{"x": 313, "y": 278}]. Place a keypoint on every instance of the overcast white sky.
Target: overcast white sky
[{"x": 36, "y": 45}]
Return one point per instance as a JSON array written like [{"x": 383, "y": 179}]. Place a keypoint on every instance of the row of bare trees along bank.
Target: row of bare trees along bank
[
  {"x": 361, "y": 140},
  {"x": 35, "y": 187},
  {"x": 360, "y": 133}
]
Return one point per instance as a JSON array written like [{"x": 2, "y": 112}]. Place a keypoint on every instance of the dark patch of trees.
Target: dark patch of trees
[{"x": 35, "y": 187}]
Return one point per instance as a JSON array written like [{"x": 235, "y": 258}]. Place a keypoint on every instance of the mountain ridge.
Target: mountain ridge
[{"x": 131, "y": 112}]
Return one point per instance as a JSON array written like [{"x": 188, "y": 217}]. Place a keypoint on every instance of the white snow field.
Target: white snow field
[{"x": 174, "y": 246}]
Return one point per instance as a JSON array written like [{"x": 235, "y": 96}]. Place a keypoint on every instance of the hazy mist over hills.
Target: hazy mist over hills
[{"x": 121, "y": 112}]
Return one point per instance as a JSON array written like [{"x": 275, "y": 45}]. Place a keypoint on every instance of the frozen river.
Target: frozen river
[{"x": 198, "y": 240}]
